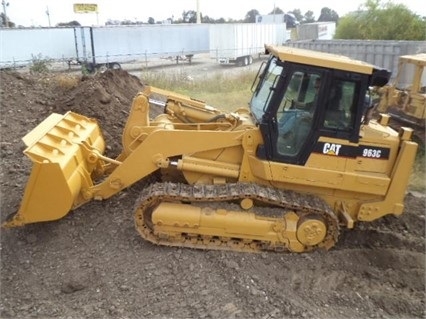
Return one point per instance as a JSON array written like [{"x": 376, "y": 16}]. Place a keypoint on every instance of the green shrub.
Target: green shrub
[{"x": 39, "y": 64}]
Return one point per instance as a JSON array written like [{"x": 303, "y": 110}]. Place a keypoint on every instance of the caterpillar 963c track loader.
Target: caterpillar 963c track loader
[{"x": 284, "y": 174}]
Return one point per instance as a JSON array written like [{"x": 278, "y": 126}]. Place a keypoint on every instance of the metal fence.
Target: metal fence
[{"x": 382, "y": 53}]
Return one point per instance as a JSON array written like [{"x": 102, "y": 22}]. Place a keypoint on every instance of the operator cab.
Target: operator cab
[{"x": 300, "y": 97}]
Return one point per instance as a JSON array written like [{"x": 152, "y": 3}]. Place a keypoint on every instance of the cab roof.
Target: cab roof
[
  {"x": 321, "y": 59},
  {"x": 419, "y": 59}
]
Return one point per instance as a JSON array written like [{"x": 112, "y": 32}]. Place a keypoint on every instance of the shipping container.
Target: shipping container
[{"x": 316, "y": 31}]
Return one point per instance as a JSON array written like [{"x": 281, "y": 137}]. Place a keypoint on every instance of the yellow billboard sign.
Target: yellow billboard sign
[{"x": 85, "y": 7}]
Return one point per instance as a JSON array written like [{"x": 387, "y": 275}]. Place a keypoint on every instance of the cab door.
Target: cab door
[
  {"x": 289, "y": 124},
  {"x": 296, "y": 112}
]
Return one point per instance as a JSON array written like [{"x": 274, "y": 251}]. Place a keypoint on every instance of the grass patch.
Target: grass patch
[
  {"x": 418, "y": 175},
  {"x": 67, "y": 81},
  {"x": 225, "y": 91}
]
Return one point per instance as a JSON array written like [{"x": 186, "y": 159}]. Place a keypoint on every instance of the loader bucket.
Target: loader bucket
[{"x": 60, "y": 148}]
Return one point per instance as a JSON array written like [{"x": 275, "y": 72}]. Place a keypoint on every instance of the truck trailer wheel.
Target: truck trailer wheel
[
  {"x": 101, "y": 68},
  {"x": 246, "y": 61},
  {"x": 114, "y": 66},
  {"x": 242, "y": 61}
]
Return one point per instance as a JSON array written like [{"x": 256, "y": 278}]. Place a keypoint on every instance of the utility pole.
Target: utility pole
[
  {"x": 274, "y": 12},
  {"x": 48, "y": 15},
  {"x": 198, "y": 12},
  {"x": 6, "y": 20}
]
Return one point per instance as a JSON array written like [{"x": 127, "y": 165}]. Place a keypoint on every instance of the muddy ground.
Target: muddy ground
[{"x": 93, "y": 264}]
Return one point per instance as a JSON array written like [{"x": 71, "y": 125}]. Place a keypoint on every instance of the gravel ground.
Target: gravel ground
[{"x": 93, "y": 264}]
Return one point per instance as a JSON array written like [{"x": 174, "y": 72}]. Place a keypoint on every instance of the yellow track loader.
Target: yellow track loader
[
  {"x": 285, "y": 174},
  {"x": 404, "y": 98}
]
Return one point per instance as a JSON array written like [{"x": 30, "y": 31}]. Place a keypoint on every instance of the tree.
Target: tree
[
  {"x": 112, "y": 22},
  {"x": 220, "y": 20},
  {"x": 207, "y": 19},
  {"x": 190, "y": 16},
  {"x": 251, "y": 16},
  {"x": 328, "y": 15},
  {"x": 277, "y": 10},
  {"x": 308, "y": 17},
  {"x": 298, "y": 14},
  {"x": 5, "y": 20},
  {"x": 151, "y": 20},
  {"x": 382, "y": 22},
  {"x": 69, "y": 24}
]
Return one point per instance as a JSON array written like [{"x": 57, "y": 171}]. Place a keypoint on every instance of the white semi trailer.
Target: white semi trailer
[
  {"x": 20, "y": 47},
  {"x": 240, "y": 43},
  {"x": 99, "y": 47},
  {"x": 110, "y": 46}
]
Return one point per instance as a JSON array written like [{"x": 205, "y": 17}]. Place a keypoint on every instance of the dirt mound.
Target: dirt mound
[
  {"x": 101, "y": 96},
  {"x": 92, "y": 263},
  {"x": 105, "y": 96}
]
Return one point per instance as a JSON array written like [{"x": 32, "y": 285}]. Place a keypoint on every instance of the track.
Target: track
[{"x": 297, "y": 222}]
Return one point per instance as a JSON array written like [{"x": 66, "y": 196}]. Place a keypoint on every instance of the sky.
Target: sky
[{"x": 34, "y": 12}]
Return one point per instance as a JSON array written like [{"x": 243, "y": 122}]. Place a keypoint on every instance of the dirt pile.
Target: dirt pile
[
  {"x": 92, "y": 263},
  {"x": 106, "y": 97}
]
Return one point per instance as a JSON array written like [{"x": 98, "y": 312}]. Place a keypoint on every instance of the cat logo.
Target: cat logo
[{"x": 331, "y": 149}]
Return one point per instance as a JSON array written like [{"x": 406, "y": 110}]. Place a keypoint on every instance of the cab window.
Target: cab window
[
  {"x": 340, "y": 106},
  {"x": 296, "y": 112}
]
